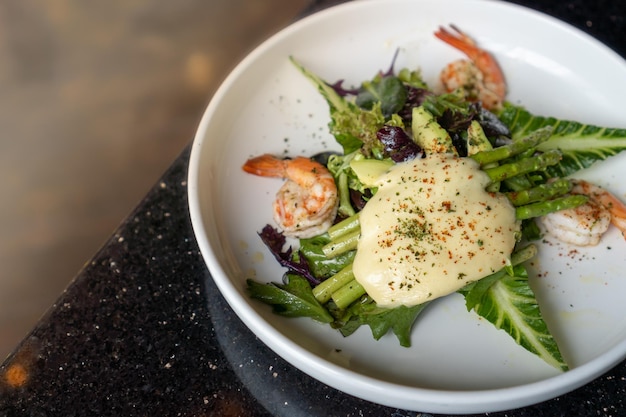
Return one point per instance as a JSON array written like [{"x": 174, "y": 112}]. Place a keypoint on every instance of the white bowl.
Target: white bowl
[{"x": 458, "y": 363}]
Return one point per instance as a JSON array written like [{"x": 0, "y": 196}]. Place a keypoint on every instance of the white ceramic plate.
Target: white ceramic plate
[{"x": 458, "y": 363}]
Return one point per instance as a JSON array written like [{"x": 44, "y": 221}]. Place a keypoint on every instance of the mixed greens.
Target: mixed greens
[{"x": 396, "y": 117}]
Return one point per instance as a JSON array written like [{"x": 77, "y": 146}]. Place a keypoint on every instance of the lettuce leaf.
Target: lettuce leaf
[
  {"x": 388, "y": 92},
  {"x": 293, "y": 299},
  {"x": 320, "y": 265},
  {"x": 582, "y": 145},
  {"x": 356, "y": 129},
  {"x": 353, "y": 127},
  {"x": 276, "y": 242},
  {"x": 381, "y": 320},
  {"x": 508, "y": 302}
]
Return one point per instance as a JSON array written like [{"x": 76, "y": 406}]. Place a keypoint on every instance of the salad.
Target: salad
[{"x": 436, "y": 192}]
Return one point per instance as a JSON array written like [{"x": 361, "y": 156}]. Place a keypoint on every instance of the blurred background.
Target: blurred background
[{"x": 96, "y": 101}]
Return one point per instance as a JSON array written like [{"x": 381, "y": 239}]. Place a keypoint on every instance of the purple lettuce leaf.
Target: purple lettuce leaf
[
  {"x": 343, "y": 92},
  {"x": 275, "y": 241},
  {"x": 397, "y": 144}
]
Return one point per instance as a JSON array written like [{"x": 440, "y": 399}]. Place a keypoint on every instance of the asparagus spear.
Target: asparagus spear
[
  {"x": 540, "y": 192},
  {"x": 514, "y": 148},
  {"x": 523, "y": 166},
  {"x": 542, "y": 208}
]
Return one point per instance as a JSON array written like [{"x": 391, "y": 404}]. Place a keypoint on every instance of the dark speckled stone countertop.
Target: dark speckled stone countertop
[{"x": 142, "y": 329}]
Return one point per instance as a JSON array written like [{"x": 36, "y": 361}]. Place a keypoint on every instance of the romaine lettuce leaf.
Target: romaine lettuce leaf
[
  {"x": 581, "y": 144},
  {"x": 508, "y": 302}
]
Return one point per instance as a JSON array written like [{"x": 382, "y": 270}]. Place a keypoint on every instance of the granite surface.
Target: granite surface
[{"x": 142, "y": 329}]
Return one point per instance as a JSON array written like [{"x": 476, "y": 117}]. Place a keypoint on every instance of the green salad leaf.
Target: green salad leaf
[
  {"x": 320, "y": 265},
  {"x": 381, "y": 320},
  {"x": 352, "y": 126},
  {"x": 359, "y": 127},
  {"x": 339, "y": 167},
  {"x": 508, "y": 302},
  {"x": 581, "y": 145},
  {"x": 336, "y": 102},
  {"x": 389, "y": 91},
  {"x": 292, "y": 299}
]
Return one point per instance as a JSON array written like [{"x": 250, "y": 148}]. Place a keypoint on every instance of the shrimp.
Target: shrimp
[
  {"x": 306, "y": 204},
  {"x": 480, "y": 78},
  {"x": 609, "y": 201},
  {"x": 582, "y": 226},
  {"x": 585, "y": 225}
]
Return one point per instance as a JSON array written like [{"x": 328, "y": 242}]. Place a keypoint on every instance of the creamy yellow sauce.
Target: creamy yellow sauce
[{"x": 430, "y": 229}]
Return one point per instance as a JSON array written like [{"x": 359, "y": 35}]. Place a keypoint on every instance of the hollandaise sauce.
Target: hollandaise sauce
[{"x": 430, "y": 229}]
